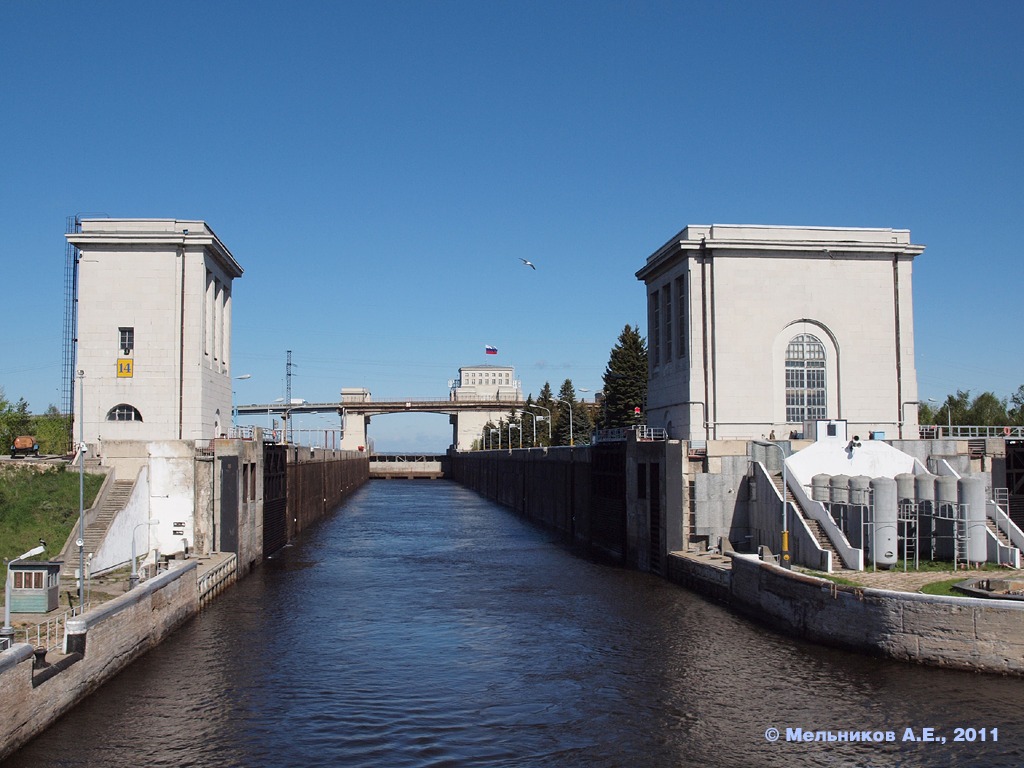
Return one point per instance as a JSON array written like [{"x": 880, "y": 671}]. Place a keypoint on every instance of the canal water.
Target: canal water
[{"x": 420, "y": 625}]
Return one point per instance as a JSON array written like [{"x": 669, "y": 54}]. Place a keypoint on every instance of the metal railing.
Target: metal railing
[
  {"x": 48, "y": 634},
  {"x": 643, "y": 432},
  {"x": 957, "y": 432},
  {"x": 215, "y": 580}
]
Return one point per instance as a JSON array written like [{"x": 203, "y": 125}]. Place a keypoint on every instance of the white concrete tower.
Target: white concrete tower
[{"x": 154, "y": 330}]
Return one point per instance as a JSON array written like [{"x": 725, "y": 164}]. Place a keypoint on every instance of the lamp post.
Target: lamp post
[
  {"x": 81, "y": 489},
  {"x": 134, "y": 578},
  {"x": 498, "y": 432},
  {"x": 534, "y": 416},
  {"x": 512, "y": 426},
  {"x": 784, "y": 560},
  {"x": 7, "y": 633},
  {"x": 548, "y": 417},
  {"x": 234, "y": 408},
  {"x": 949, "y": 415},
  {"x": 570, "y": 418}
]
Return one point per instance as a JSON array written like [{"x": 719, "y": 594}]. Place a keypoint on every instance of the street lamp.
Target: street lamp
[
  {"x": 234, "y": 408},
  {"x": 534, "y": 416},
  {"x": 134, "y": 578},
  {"x": 548, "y": 417},
  {"x": 784, "y": 561},
  {"x": 949, "y": 416},
  {"x": 7, "y": 633},
  {"x": 567, "y": 402},
  {"x": 512, "y": 426},
  {"x": 81, "y": 489}
]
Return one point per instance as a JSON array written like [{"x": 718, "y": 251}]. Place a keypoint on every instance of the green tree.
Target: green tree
[
  {"x": 14, "y": 420},
  {"x": 1015, "y": 414},
  {"x": 625, "y": 380},
  {"x": 51, "y": 429},
  {"x": 582, "y": 426},
  {"x": 987, "y": 410},
  {"x": 547, "y": 411}
]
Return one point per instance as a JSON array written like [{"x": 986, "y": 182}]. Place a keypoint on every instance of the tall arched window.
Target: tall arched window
[
  {"x": 124, "y": 412},
  {"x": 805, "y": 379}
]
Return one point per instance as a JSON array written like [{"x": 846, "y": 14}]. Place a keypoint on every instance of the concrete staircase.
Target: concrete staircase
[
  {"x": 1003, "y": 538},
  {"x": 815, "y": 527},
  {"x": 95, "y": 532}
]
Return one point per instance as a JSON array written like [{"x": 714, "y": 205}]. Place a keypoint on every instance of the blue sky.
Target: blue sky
[{"x": 378, "y": 169}]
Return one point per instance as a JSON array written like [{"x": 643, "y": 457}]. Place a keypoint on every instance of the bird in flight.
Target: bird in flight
[{"x": 527, "y": 263}]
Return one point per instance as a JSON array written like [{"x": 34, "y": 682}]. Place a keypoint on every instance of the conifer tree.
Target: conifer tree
[{"x": 625, "y": 380}]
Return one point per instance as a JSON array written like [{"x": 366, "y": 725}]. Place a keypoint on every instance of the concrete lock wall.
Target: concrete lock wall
[
  {"x": 319, "y": 480},
  {"x": 100, "y": 644},
  {"x": 963, "y": 633}
]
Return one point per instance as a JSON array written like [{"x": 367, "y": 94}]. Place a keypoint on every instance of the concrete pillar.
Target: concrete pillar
[{"x": 884, "y": 537}]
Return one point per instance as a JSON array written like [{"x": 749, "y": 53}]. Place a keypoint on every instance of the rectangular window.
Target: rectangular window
[
  {"x": 641, "y": 481},
  {"x": 126, "y": 340},
  {"x": 681, "y": 315},
  {"x": 655, "y": 329},
  {"x": 252, "y": 482},
  {"x": 245, "y": 482},
  {"x": 28, "y": 579},
  {"x": 666, "y": 295}
]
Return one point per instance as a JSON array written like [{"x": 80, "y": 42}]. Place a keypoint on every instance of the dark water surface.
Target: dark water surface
[{"x": 421, "y": 625}]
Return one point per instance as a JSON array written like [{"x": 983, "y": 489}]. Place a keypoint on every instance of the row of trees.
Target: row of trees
[
  {"x": 984, "y": 410},
  {"x": 570, "y": 421},
  {"x": 50, "y": 429}
]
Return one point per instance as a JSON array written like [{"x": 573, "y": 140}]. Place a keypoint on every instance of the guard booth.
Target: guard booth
[{"x": 35, "y": 585}]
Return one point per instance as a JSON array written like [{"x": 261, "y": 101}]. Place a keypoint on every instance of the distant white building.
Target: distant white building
[
  {"x": 483, "y": 382},
  {"x": 755, "y": 330},
  {"x": 154, "y": 330}
]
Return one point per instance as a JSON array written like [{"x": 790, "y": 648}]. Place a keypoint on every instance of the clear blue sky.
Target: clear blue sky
[{"x": 379, "y": 168}]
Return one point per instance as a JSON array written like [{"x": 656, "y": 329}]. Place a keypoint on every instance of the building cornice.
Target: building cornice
[
  {"x": 739, "y": 241},
  {"x": 155, "y": 232}
]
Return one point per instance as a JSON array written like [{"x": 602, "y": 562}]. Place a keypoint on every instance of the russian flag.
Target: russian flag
[{"x": 491, "y": 350}]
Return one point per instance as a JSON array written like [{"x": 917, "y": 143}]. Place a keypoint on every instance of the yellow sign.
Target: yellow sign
[{"x": 124, "y": 368}]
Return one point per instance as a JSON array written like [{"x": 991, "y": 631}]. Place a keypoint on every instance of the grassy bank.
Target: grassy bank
[{"x": 39, "y": 505}]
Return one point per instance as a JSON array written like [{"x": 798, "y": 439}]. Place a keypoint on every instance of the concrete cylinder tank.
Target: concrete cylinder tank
[
  {"x": 883, "y": 539},
  {"x": 857, "y": 512},
  {"x": 839, "y": 489},
  {"x": 906, "y": 488},
  {"x": 946, "y": 514},
  {"x": 972, "y": 499},
  {"x": 924, "y": 487},
  {"x": 820, "y": 488}
]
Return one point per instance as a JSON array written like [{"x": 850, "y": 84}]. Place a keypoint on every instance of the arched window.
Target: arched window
[
  {"x": 805, "y": 379},
  {"x": 124, "y": 412}
]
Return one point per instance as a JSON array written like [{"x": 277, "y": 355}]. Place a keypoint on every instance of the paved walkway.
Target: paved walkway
[{"x": 912, "y": 581}]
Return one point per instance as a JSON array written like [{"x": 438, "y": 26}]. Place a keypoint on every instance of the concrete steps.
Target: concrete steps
[
  {"x": 1003, "y": 538},
  {"x": 815, "y": 527},
  {"x": 96, "y": 531}
]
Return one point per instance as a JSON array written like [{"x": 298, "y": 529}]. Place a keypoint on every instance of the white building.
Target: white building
[
  {"x": 483, "y": 383},
  {"x": 154, "y": 330},
  {"x": 755, "y": 330}
]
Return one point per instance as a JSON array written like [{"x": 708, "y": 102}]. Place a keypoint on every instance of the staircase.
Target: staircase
[
  {"x": 815, "y": 527},
  {"x": 1003, "y": 538},
  {"x": 95, "y": 532}
]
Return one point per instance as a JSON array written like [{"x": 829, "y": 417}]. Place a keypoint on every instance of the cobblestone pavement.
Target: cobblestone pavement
[{"x": 912, "y": 581}]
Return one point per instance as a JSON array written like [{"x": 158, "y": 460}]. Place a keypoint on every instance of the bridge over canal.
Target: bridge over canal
[{"x": 467, "y": 414}]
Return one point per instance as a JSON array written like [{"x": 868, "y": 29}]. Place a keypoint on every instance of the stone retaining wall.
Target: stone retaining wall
[
  {"x": 100, "y": 644},
  {"x": 957, "y": 632}
]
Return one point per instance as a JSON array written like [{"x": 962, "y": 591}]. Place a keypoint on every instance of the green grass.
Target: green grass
[
  {"x": 944, "y": 587},
  {"x": 40, "y": 505}
]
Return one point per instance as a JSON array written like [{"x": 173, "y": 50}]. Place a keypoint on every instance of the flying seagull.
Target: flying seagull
[{"x": 527, "y": 263}]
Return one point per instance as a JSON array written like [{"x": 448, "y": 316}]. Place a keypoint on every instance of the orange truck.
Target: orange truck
[{"x": 25, "y": 445}]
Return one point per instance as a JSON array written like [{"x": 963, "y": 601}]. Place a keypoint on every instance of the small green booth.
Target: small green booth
[{"x": 35, "y": 585}]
